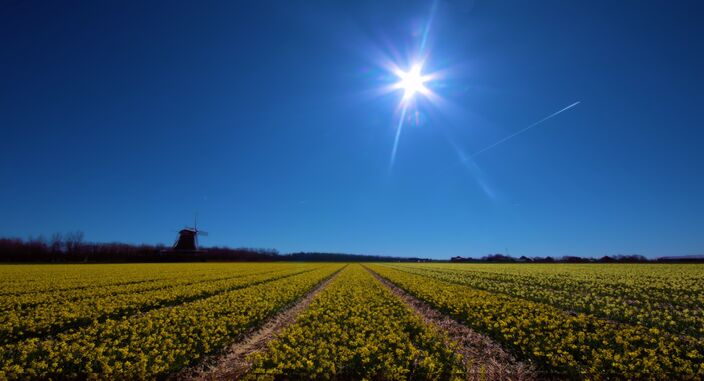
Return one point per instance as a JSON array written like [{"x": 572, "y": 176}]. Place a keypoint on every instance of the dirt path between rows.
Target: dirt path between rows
[
  {"x": 484, "y": 359},
  {"x": 232, "y": 363}
]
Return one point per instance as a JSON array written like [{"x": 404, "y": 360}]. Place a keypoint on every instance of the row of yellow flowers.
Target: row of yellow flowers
[
  {"x": 72, "y": 309},
  {"x": 356, "y": 329},
  {"x": 43, "y": 289},
  {"x": 656, "y": 282},
  {"x": 158, "y": 342},
  {"x": 23, "y": 279},
  {"x": 573, "y": 344},
  {"x": 667, "y": 297}
]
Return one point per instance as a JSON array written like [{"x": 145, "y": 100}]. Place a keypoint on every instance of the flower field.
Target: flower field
[
  {"x": 146, "y": 340},
  {"x": 595, "y": 321},
  {"x": 146, "y": 321},
  {"x": 356, "y": 329}
]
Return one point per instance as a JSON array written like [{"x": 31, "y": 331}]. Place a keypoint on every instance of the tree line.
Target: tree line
[
  {"x": 71, "y": 248},
  {"x": 630, "y": 258}
]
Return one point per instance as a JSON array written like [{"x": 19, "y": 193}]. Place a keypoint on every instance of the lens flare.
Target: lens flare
[{"x": 412, "y": 81}]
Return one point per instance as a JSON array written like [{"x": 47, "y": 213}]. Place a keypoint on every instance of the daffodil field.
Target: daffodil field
[
  {"x": 146, "y": 321},
  {"x": 356, "y": 329},
  {"x": 130, "y": 335},
  {"x": 592, "y": 321}
]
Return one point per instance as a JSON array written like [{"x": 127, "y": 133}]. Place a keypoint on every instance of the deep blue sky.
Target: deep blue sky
[{"x": 123, "y": 119}]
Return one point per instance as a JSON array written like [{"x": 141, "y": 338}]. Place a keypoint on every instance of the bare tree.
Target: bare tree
[
  {"x": 74, "y": 242},
  {"x": 56, "y": 244}
]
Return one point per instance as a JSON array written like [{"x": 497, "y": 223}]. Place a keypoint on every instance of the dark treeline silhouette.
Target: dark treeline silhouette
[
  {"x": 70, "y": 248},
  {"x": 339, "y": 257},
  {"x": 632, "y": 258}
]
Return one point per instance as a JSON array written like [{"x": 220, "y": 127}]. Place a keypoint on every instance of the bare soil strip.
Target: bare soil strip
[
  {"x": 231, "y": 364},
  {"x": 484, "y": 359}
]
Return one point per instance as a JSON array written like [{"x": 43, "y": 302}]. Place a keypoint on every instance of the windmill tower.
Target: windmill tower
[{"x": 188, "y": 238}]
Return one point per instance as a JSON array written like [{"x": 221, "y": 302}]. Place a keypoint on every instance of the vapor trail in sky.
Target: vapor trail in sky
[{"x": 525, "y": 129}]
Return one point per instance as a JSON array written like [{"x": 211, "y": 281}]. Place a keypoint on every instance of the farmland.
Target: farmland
[
  {"x": 575, "y": 320},
  {"x": 144, "y": 321}
]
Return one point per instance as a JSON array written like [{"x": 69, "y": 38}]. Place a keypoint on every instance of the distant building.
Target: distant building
[{"x": 187, "y": 240}]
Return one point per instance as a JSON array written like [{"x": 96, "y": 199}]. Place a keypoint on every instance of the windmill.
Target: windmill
[{"x": 188, "y": 238}]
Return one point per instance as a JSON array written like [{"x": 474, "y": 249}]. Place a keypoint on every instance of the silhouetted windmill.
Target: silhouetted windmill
[{"x": 188, "y": 238}]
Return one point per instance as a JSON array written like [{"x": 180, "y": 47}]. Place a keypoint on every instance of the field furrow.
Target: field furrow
[
  {"x": 50, "y": 319},
  {"x": 357, "y": 329},
  {"x": 160, "y": 341},
  {"x": 482, "y": 357},
  {"x": 572, "y": 345},
  {"x": 418, "y": 321},
  {"x": 234, "y": 362},
  {"x": 625, "y": 303}
]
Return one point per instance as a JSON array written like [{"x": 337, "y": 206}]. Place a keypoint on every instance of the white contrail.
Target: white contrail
[{"x": 525, "y": 129}]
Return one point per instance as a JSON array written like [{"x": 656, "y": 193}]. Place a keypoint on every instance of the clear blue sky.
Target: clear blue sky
[{"x": 123, "y": 119}]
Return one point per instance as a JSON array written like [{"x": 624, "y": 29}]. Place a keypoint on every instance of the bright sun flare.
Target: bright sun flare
[{"x": 412, "y": 82}]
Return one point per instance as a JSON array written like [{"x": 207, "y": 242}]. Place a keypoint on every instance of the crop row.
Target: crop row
[
  {"x": 676, "y": 284},
  {"x": 56, "y": 317},
  {"x": 35, "y": 279},
  {"x": 634, "y": 304},
  {"x": 682, "y": 285},
  {"x": 558, "y": 341},
  {"x": 27, "y": 301},
  {"x": 158, "y": 342},
  {"x": 356, "y": 329}
]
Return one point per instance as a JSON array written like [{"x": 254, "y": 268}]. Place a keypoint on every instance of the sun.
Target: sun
[{"x": 412, "y": 81}]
